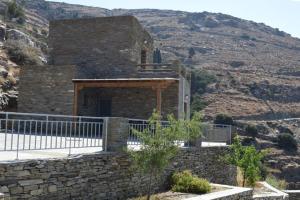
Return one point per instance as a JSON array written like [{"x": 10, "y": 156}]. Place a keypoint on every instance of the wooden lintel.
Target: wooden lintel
[{"x": 125, "y": 84}]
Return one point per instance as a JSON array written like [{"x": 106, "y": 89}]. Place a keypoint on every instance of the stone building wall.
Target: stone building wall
[
  {"x": 46, "y": 89},
  {"x": 137, "y": 103},
  {"x": 103, "y": 175},
  {"x": 106, "y": 47}
]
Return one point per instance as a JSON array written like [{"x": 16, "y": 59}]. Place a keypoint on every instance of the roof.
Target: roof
[{"x": 125, "y": 79}]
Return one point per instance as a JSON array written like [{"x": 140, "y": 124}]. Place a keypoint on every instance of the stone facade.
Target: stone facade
[
  {"x": 104, "y": 175},
  {"x": 46, "y": 89},
  {"x": 107, "y": 48}
]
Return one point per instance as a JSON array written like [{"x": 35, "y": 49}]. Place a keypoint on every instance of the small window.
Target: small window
[{"x": 143, "y": 57}]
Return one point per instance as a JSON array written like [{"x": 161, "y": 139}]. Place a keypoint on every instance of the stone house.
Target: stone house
[{"x": 102, "y": 67}]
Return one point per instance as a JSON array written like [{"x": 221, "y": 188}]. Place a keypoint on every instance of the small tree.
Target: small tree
[
  {"x": 248, "y": 159},
  {"x": 251, "y": 130},
  {"x": 158, "y": 148}
]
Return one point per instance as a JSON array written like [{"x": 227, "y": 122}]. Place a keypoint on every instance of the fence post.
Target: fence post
[
  {"x": 116, "y": 134},
  {"x": 104, "y": 136}
]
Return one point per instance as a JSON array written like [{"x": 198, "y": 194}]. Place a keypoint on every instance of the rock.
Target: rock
[
  {"x": 52, "y": 188},
  {"x": 4, "y": 189},
  {"x": 2, "y": 32},
  {"x": 36, "y": 192},
  {"x": 13, "y": 34},
  {"x": 30, "y": 182},
  {"x": 210, "y": 22}
]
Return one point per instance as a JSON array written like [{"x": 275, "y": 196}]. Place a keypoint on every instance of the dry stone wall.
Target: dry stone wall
[{"x": 103, "y": 175}]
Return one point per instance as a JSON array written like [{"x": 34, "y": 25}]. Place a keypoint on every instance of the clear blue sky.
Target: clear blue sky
[{"x": 282, "y": 14}]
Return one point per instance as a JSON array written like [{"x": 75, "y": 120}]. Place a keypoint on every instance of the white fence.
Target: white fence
[{"x": 25, "y": 131}]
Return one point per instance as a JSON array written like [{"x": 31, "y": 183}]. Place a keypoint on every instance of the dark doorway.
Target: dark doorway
[{"x": 104, "y": 108}]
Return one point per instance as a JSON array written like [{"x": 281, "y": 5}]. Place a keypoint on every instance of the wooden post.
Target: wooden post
[
  {"x": 75, "y": 100},
  {"x": 158, "y": 100}
]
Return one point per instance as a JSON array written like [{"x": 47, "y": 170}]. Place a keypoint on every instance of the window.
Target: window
[{"x": 143, "y": 57}]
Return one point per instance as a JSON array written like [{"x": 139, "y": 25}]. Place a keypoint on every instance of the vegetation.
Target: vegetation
[
  {"x": 22, "y": 54},
  {"x": 277, "y": 183},
  {"x": 14, "y": 10},
  {"x": 251, "y": 130},
  {"x": 248, "y": 159},
  {"x": 198, "y": 103},
  {"x": 157, "y": 56},
  {"x": 187, "y": 183},
  {"x": 158, "y": 149},
  {"x": 223, "y": 119},
  {"x": 200, "y": 80},
  {"x": 287, "y": 141}
]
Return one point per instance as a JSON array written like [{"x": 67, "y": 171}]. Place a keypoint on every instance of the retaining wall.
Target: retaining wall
[{"x": 104, "y": 175}]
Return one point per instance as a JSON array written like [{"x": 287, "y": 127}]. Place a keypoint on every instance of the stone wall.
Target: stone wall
[
  {"x": 106, "y": 47},
  {"x": 135, "y": 103},
  {"x": 46, "y": 89},
  {"x": 103, "y": 175}
]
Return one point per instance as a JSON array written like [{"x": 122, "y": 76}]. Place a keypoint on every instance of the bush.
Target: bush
[
  {"x": 22, "y": 54},
  {"x": 223, "y": 119},
  {"x": 251, "y": 130},
  {"x": 277, "y": 183},
  {"x": 187, "y": 183},
  {"x": 14, "y": 10},
  {"x": 200, "y": 80},
  {"x": 198, "y": 104},
  {"x": 287, "y": 142}
]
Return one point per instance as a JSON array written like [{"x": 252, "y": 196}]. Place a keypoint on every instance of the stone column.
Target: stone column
[{"x": 117, "y": 134}]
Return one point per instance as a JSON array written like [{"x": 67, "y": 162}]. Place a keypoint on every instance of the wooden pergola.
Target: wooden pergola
[{"x": 157, "y": 84}]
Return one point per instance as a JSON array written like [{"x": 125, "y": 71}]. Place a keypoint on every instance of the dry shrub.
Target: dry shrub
[
  {"x": 22, "y": 54},
  {"x": 12, "y": 80}
]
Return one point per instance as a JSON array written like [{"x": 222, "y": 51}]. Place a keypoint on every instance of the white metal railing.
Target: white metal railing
[
  {"x": 27, "y": 131},
  {"x": 212, "y": 133}
]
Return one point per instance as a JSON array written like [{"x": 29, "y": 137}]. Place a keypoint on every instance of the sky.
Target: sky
[{"x": 282, "y": 14}]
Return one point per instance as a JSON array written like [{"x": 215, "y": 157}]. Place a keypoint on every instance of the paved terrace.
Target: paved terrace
[{"x": 46, "y": 141}]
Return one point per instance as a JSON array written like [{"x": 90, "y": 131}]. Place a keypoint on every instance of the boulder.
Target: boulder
[{"x": 13, "y": 34}]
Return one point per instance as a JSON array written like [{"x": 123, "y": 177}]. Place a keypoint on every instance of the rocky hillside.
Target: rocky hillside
[{"x": 257, "y": 67}]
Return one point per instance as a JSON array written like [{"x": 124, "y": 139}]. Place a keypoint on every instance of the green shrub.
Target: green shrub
[
  {"x": 223, "y": 119},
  {"x": 251, "y": 130},
  {"x": 14, "y": 10},
  {"x": 200, "y": 80},
  {"x": 187, "y": 183},
  {"x": 287, "y": 142},
  {"x": 198, "y": 104},
  {"x": 22, "y": 54},
  {"x": 277, "y": 183}
]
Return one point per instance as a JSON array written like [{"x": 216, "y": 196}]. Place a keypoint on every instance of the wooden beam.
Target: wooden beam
[{"x": 125, "y": 84}]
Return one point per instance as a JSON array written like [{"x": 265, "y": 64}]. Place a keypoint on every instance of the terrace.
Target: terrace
[{"x": 38, "y": 136}]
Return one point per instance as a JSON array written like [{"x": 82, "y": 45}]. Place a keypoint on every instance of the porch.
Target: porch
[{"x": 131, "y": 97}]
